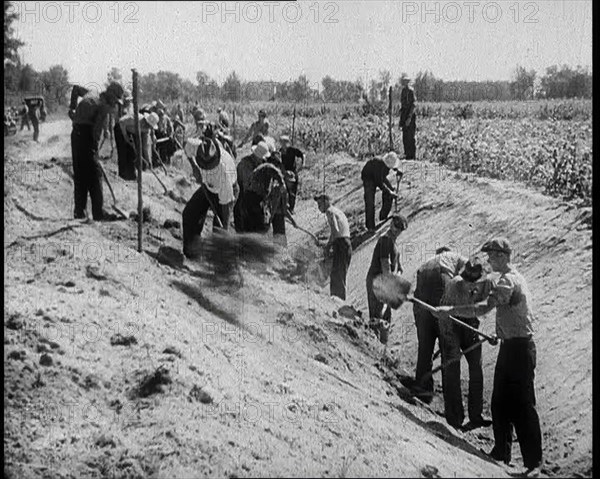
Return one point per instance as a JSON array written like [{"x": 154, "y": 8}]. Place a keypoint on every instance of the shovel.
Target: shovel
[{"x": 114, "y": 205}]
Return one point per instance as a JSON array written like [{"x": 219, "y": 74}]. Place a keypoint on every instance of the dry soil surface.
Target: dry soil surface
[{"x": 126, "y": 364}]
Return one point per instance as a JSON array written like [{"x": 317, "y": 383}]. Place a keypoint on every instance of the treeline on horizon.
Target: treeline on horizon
[{"x": 558, "y": 82}]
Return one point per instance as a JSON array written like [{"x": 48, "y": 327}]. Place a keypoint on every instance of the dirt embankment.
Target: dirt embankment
[{"x": 123, "y": 364}]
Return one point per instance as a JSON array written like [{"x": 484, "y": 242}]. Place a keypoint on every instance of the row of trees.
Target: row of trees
[{"x": 558, "y": 82}]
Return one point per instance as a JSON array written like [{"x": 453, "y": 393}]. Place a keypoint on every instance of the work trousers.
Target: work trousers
[
  {"x": 513, "y": 402},
  {"x": 375, "y": 306},
  {"x": 25, "y": 122},
  {"x": 126, "y": 157},
  {"x": 386, "y": 206},
  {"x": 427, "y": 332},
  {"x": 342, "y": 254},
  {"x": 87, "y": 173},
  {"x": 292, "y": 190},
  {"x": 35, "y": 122},
  {"x": 194, "y": 215},
  {"x": 455, "y": 338},
  {"x": 408, "y": 139}
]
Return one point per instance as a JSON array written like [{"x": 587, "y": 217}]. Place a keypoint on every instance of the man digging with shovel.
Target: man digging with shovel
[
  {"x": 513, "y": 397},
  {"x": 215, "y": 170}
]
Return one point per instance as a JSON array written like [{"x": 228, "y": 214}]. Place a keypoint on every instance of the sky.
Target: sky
[{"x": 349, "y": 39}]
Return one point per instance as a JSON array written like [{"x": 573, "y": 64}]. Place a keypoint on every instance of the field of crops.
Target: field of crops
[{"x": 544, "y": 144}]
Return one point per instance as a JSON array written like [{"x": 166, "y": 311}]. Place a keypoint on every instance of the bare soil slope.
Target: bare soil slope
[{"x": 121, "y": 364}]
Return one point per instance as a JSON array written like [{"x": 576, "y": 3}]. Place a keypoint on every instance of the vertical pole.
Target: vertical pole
[
  {"x": 233, "y": 127},
  {"x": 293, "y": 124},
  {"x": 138, "y": 134},
  {"x": 390, "y": 120}
]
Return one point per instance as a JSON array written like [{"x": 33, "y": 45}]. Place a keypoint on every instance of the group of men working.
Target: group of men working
[
  {"x": 452, "y": 284},
  {"x": 31, "y": 113},
  {"x": 459, "y": 292},
  {"x": 261, "y": 190}
]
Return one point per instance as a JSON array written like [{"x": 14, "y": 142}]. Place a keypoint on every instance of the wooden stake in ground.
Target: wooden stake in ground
[
  {"x": 293, "y": 124},
  {"x": 138, "y": 134},
  {"x": 233, "y": 128},
  {"x": 390, "y": 120}
]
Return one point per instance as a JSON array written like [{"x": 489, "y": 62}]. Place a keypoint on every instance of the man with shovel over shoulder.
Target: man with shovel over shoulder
[
  {"x": 513, "y": 396},
  {"x": 89, "y": 118},
  {"x": 215, "y": 169},
  {"x": 339, "y": 242},
  {"x": 465, "y": 289}
]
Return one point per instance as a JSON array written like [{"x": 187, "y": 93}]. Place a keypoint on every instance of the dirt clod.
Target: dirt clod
[
  {"x": 46, "y": 360},
  {"x": 200, "y": 395},
  {"x": 321, "y": 358},
  {"x": 17, "y": 355},
  {"x": 15, "y": 322},
  {"x": 119, "y": 340},
  {"x": 153, "y": 383}
]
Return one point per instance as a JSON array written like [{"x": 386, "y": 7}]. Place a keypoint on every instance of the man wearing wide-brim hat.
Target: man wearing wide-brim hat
[
  {"x": 214, "y": 167},
  {"x": 468, "y": 287},
  {"x": 408, "y": 118},
  {"x": 513, "y": 396},
  {"x": 374, "y": 175},
  {"x": 245, "y": 168}
]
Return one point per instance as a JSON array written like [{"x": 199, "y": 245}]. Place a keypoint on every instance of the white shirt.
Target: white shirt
[
  {"x": 338, "y": 223},
  {"x": 220, "y": 179}
]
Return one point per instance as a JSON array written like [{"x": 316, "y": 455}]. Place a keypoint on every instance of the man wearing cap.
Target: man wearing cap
[
  {"x": 408, "y": 119},
  {"x": 259, "y": 127},
  {"x": 374, "y": 175},
  {"x": 89, "y": 118},
  {"x": 128, "y": 156},
  {"x": 214, "y": 168},
  {"x": 200, "y": 121},
  {"x": 385, "y": 260},
  {"x": 466, "y": 288},
  {"x": 292, "y": 160},
  {"x": 513, "y": 396},
  {"x": 245, "y": 168},
  {"x": 432, "y": 278},
  {"x": 339, "y": 244}
]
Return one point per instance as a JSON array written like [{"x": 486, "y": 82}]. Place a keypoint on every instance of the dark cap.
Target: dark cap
[
  {"x": 497, "y": 244},
  {"x": 400, "y": 222},
  {"x": 322, "y": 197},
  {"x": 473, "y": 270}
]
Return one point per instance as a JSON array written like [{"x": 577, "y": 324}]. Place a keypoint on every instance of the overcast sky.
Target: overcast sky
[{"x": 348, "y": 39}]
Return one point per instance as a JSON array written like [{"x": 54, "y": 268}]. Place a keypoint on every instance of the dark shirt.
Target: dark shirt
[
  {"x": 77, "y": 92},
  {"x": 384, "y": 249},
  {"x": 434, "y": 274},
  {"x": 407, "y": 101},
  {"x": 245, "y": 168},
  {"x": 289, "y": 158},
  {"x": 93, "y": 111},
  {"x": 376, "y": 171}
]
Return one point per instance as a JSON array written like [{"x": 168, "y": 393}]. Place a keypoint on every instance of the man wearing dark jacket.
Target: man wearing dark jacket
[
  {"x": 374, "y": 175},
  {"x": 293, "y": 160},
  {"x": 432, "y": 277},
  {"x": 89, "y": 118},
  {"x": 408, "y": 119}
]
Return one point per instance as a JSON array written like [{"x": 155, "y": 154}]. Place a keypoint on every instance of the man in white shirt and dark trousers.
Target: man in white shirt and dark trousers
[
  {"x": 339, "y": 240},
  {"x": 213, "y": 167}
]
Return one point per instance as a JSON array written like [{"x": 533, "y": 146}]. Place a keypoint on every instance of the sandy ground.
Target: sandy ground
[{"x": 127, "y": 364}]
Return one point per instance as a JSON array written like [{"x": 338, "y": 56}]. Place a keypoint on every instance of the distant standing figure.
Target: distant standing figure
[
  {"x": 408, "y": 119},
  {"x": 259, "y": 127},
  {"x": 24, "y": 112},
  {"x": 339, "y": 243}
]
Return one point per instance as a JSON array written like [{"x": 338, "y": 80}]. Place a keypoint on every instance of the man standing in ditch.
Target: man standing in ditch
[
  {"x": 293, "y": 161},
  {"x": 374, "y": 175},
  {"x": 513, "y": 396},
  {"x": 466, "y": 288},
  {"x": 89, "y": 118},
  {"x": 339, "y": 243},
  {"x": 385, "y": 260},
  {"x": 432, "y": 278}
]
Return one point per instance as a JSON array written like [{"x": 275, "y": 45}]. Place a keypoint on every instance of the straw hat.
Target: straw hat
[{"x": 261, "y": 149}]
